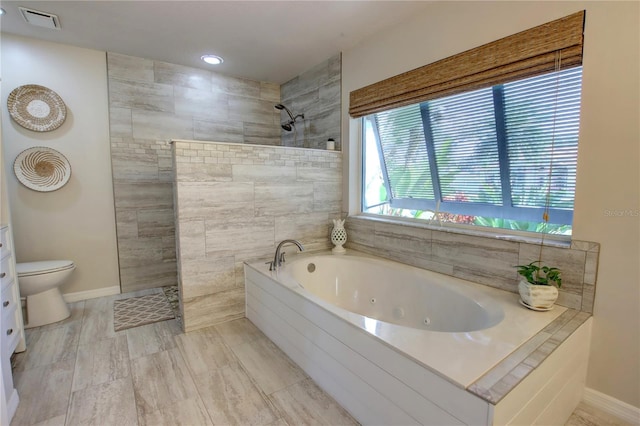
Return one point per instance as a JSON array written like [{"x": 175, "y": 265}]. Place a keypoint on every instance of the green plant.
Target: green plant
[{"x": 540, "y": 275}]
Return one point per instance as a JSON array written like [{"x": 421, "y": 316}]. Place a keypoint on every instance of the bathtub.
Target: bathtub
[{"x": 394, "y": 344}]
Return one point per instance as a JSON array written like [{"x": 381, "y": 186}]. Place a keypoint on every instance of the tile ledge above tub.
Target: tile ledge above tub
[
  {"x": 235, "y": 144},
  {"x": 550, "y": 240},
  {"x": 508, "y": 373}
]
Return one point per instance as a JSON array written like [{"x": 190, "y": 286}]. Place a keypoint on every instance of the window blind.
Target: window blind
[
  {"x": 528, "y": 53},
  {"x": 493, "y": 152},
  {"x": 405, "y": 152}
]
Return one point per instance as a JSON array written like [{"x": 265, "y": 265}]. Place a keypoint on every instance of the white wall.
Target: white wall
[
  {"x": 76, "y": 222},
  {"x": 608, "y": 174}
]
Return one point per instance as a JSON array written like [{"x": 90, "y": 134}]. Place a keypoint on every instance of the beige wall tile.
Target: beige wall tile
[
  {"x": 244, "y": 87},
  {"x": 213, "y": 199},
  {"x": 219, "y": 131},
  {"x": 306, "y": 228},
  {"x": 487, "y": 257},
  {"x": 143, "y": 195},
  {"x": 127, "y": 223},
  {"x": 571, "y": 262},
  {"x": 204, "y": 276},
  {"x": 120, "y": 124},
  {"x": 140, "y": 96},
  {"x": 129, "y": 67},
  {"x": 251, "y": 109},
  {"x": 238, "y": 233},
  {"x": 169, "y": 248},
  {"x": 158, "y": 274},
  {"x": 191, "y": 239},
  {"x": 161, "y": 126},
  {"x": 134, "y": 167},
  {"x": 207, "y": 310},
  {"x": 201, "y": 104},
  {"x": 140, "y": 251},
  {"x": 327, "y": 196},
  {"x": 275, "y": 199},
  {"x": 257, "y": 173},
  {"x": 156, "y": 223},
  {"x": 318, "y": 174},
  {"x": 262, "y": 134},
  {"x": 179, "y": 75},
  {"x": 270, "y": 92},
  {"x": 203, "y": 172}
]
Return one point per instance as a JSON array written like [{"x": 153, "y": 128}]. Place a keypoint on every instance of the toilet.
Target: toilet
[{"x": 39, "y": 283}]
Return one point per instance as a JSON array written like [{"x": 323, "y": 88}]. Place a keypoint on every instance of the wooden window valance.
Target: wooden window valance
[{"x": 525, "y": 54}]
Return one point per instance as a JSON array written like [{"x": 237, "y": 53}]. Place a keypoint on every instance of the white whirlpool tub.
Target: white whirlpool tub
[{"x": 394, "y": 344}]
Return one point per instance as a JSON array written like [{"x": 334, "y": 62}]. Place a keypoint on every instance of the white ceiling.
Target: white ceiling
[{"x": 260, "y": 40}]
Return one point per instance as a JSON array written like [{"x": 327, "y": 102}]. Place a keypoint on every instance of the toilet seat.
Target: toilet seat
[{"x": 43, "y": 267}]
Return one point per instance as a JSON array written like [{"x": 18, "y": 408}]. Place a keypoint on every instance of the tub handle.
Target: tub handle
[
  {"x": 282, "y": 257},
  {"x": 270, "y": 263}
]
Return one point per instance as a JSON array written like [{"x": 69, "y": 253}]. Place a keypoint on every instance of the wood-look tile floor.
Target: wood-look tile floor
[{"x": 81, "y": 372}]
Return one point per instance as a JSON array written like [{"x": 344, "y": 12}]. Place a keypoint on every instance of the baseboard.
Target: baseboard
[
  {"x": 12, "y": 404},
  {"x": 611, "y": 405},
  {"x": 91, "y": 294}
]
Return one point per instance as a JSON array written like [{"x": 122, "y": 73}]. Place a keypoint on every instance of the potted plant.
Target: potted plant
[{"x": 540, "y": 290}]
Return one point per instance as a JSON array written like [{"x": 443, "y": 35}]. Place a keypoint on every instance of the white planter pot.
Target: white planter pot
[{"x": 538, "y": 296}]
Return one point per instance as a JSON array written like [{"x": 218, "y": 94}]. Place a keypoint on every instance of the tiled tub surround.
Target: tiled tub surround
[
  {"x": 539, "y": 381},
  {"x": 151, "y": 102},
  {"x": 235, "y": 203},
  {"x": 481, "y": 259},
  {"x": 316, "y": 94}
]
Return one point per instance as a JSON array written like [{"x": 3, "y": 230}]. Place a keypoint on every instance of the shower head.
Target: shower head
[
  {"x": 287, "y": 127},
  {"x": 282, "y": 107}
]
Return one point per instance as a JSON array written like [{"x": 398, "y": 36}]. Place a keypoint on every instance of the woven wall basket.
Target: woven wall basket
[
  {"x": 42, "y": 169},
  {"x": 36, "y": 108}
]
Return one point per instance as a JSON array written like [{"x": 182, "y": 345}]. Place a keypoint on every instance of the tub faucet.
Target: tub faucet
[{"x": 278, "y": 259}]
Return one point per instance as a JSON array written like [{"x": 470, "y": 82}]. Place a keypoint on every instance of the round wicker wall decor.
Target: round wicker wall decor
[
  {"x": 42, "y": 169},
  {"x": 36, "y": 108}
]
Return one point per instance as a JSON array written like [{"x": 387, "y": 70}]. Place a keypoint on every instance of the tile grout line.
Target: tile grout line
[
  {"x": 130, "y": 361},
  {"x": 75, "y": 363}
]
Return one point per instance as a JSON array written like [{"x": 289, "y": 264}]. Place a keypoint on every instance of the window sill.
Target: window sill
[{"x": 550, "y": 240}]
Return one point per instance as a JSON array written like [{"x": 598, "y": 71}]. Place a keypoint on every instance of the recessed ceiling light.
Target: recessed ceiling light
[{"x": 212, "y": 59}]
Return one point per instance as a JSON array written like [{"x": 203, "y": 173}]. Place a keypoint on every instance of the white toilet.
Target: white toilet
[{"x": 39, "y": 282}]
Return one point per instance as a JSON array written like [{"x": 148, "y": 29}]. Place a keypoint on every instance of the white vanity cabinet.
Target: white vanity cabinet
[{"x": 11, "y": 325}]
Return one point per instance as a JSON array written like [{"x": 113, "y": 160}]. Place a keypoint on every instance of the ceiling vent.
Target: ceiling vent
[{"x": 40, "y": 19}]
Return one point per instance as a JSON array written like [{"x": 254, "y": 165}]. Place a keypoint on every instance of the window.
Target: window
[{"x": 497, "y": 156}]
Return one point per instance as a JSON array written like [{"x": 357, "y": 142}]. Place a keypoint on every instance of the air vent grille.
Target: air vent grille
[{"x": 40, "y": 19}]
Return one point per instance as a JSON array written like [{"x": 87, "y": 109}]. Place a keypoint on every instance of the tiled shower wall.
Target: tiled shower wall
[
  {"x": 480, "y": 259},
  {"x": 316, "y": 94},
  {"x": 150, "y": 103},
  {"x": 235, "y": 203}
]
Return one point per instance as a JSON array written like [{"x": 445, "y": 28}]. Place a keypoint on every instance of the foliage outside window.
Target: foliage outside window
[{"x": 495, "y": 157}]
